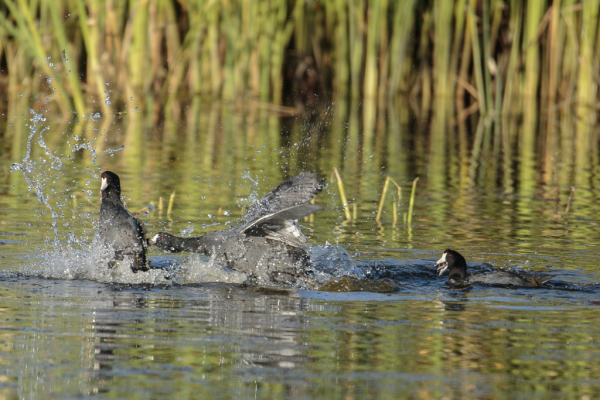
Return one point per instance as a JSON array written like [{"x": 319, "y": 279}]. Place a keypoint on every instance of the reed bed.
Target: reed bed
[
  {"x": 514, "y": 88},
  {"x": 99, "y": 54}
]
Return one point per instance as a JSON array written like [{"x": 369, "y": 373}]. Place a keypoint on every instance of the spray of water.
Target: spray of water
[
  {"x": 36, "y": 180},
  {"x": 75, "y": 257}
]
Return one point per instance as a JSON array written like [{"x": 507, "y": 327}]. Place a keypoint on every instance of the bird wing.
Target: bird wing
[
  {"x": 296, "y": 191},
  {"x": 282, "y": 225}
]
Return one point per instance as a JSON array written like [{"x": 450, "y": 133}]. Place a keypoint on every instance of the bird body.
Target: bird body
[
  {"x": 456, "y": 265},
  {"x": 118, "y": 228},
  {"x": 267, "y": 243}
]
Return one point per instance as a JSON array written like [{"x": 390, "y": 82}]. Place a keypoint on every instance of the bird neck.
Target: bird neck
[
  {"x": 111, "y": 194},
  {"x": 458, "y": 272},
  {"x": 193, "y": 244}
]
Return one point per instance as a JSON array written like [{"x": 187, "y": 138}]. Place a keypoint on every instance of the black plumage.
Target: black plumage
[
  {"x": 118, "y": 228},
  {"x": 267, "y": 243},
  {"x": 456, "y": 265}
]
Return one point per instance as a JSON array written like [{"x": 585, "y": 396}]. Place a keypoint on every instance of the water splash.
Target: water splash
[
  {"x": 36, "y": 181},
  {"x": 253, "y": 197},
  {"x": 86, "y": 146},
  {"x": 193, "y": 269},
  {"x": 77, "y": 260},
  {"x": 334, "y": 261},
  {"x": 76, "y": 257},
  {"x": 56, "y": 162},
  {"x": 107, "y": 94},
  {"x": 111, "y": 151},
  {"x": 187, "y": 231}
]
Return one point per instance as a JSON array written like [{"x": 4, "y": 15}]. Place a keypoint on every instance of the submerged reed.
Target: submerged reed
[
  {"x": 382, "y": 200},
  {"x": 411, "y": 204},
  {"x": 340, "y": 184}
]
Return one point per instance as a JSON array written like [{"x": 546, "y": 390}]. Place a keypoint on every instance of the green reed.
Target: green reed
[
  {"x": 395, "y": 202},
  {"x": 289, "y": 51},
  {"x": 340, "y": 184}
]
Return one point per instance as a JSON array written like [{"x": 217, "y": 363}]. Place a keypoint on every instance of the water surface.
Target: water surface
[{"x": 71, "y": 329}]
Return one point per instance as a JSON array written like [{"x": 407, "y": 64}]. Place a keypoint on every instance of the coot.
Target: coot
[
  {"x": 455, "y": 263},
  {"x": 267, "y": 243},
  {"x": 118, "y": 228}
]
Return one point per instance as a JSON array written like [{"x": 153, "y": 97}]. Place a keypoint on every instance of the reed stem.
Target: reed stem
[
  {"x": 383, "y": 193},
  {"x": 171, "y": 202},
  {"x": 342, "y": 193},
  {"x": 412, "y": 201}
]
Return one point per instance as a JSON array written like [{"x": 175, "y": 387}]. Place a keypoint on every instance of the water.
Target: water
[{"x": 383, "y": 325}]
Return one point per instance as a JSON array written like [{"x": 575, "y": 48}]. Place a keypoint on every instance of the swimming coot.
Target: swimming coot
[
  {"x": 455, "y": 263},
  {"x": 118, "y": 228},
  {"x": 267, "y": 243}
]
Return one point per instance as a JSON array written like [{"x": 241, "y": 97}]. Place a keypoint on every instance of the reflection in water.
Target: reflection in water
[
  {"x": 230, "y": 329},
  {"x": 107, "y": 331},
  {"x": 456, "y": 299},
  {"x": 80, "y": 337}
]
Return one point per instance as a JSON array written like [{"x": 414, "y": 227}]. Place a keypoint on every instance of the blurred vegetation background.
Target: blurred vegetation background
[{"x": 488, "y": 55}]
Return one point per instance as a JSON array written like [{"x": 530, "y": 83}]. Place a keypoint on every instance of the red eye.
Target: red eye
[{"x": 449, "y": 255}]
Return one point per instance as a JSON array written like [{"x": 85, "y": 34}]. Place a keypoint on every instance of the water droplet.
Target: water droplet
[
  {"x": 106, "y": 83},
  {"x": 188, "y": 230},
  {"x": 87, "y": 183},
  {"x": 150, "y": 207},
  {"x": 48, "y": 58}
]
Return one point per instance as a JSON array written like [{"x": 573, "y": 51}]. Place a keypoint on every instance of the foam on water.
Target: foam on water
[
  {"x": 90, "y": 262},
  {"x": 194, "y": 270}
]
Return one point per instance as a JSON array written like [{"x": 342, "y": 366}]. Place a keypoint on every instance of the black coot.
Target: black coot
[
  {"x": 267, "y": 243},
  {"x": 118, "y": 228},
  {"x": 456, "y": 264}
]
